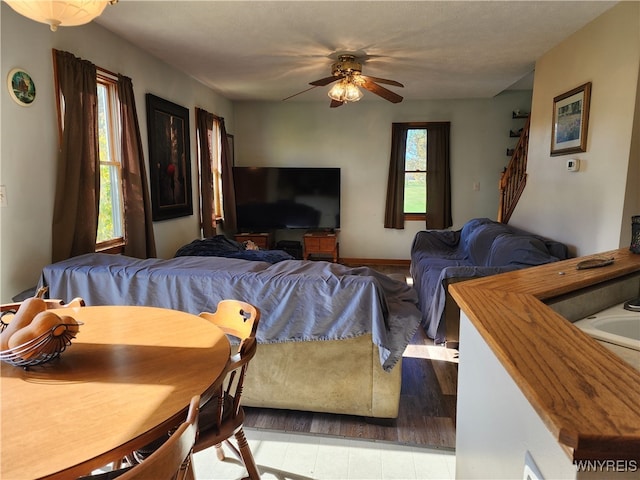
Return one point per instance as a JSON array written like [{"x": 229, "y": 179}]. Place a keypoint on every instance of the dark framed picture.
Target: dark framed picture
[
  {"x": 169, "y": 159},
  {"x": 571, "y": 121}
]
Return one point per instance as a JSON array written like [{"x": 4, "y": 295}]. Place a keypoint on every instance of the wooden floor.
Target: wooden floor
[{"x": 427, "y": 402}]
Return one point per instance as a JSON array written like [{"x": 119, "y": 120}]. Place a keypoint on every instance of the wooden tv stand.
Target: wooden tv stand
[{"x": 320, "y": 243}]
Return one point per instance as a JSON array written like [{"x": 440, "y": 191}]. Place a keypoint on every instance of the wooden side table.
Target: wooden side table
[
  {"x": 262, "y": 240},
  {"x": 320, "y": 243}
]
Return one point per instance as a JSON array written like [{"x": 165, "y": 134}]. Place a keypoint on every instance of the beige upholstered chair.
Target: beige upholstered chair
[{"x": 222, "y": 417}]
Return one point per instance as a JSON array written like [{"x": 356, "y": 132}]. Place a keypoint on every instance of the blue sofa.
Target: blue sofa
[{"x": 482, "y": 247}]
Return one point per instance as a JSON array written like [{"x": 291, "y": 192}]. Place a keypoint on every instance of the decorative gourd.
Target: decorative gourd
[
  {"x": 43, "y": 322},
  {"x": 71, "y": 323},
  {"x": 23, "y": 317}
]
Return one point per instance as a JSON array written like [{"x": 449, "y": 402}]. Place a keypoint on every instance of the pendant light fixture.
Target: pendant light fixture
[{"x": 57, "y": 13}]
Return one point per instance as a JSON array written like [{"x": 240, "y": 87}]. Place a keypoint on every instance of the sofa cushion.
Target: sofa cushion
[
  {"x": 518, "y": 250},
  {"x": 481, "y": 239},
  {"x": 466, "y": 231},
  {"x": 436, "y": 243}
]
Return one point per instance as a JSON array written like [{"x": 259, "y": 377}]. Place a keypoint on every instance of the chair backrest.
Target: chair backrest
[
  {"x": 238, "y": 319},
  {"x": 235, "y": 317},
  {"x": 173, "y": 458}
]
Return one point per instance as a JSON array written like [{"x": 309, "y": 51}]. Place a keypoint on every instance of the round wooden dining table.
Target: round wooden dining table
[{"x": 126, "y": 379}]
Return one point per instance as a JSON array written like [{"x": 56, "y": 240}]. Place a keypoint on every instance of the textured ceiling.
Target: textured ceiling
[{"x": 270, "y": 50}]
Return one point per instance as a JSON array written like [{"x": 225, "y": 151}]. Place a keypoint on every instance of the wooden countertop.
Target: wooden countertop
[{"x": 587, "y": 396}]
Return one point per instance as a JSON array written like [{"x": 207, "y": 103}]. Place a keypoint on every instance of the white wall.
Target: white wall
[
  {"x": 495, "y": 424},
  {"x": 29, "y": 137},
  {"x": 585, "y": 209},
  {"x": 357, "y": 138}
]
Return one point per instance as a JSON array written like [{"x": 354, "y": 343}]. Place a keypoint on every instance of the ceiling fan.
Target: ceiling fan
[{"x": 348, "y": 71}]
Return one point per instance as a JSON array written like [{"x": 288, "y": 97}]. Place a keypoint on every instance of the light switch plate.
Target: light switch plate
[
  {"x": 573, "y": 165},
  {"x": 3, "y": 196}
]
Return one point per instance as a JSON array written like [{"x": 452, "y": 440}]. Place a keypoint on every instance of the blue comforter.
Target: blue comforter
[
  {"x": 221, "y": 246},
  {"x": 299, "y": 300}
]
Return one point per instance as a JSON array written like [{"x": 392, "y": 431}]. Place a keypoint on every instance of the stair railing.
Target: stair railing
[{"x": 514, "y": 177}]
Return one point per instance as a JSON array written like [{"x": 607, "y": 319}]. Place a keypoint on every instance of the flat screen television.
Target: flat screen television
[{"x": 270, "y": 198}]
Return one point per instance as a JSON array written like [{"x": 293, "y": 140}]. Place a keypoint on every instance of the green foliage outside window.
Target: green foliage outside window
[
  {"x": 105, "y": 218},
  {"x": 109, "y": 218},
  {"x": 415, "y": 179}
]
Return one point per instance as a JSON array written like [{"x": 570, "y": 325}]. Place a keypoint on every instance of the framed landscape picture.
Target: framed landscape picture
[
  {"x": 169, "y": 159},
  {"x": 570, "y": 121}
]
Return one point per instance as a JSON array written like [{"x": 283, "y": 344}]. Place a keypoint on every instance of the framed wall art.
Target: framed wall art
[
  {"x": 169, "y": 159},
  {"x": 571, "y": 121},
  {"x": 21, "y": 87}
]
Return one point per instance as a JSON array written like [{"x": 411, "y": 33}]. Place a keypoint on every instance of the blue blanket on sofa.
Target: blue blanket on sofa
[
  {"x": 482, "y": 247},
  {"x": 299, "y": 300}
]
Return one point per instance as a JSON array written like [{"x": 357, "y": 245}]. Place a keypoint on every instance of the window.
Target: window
[
  {"x": 99, "y": 149},
  {"x": 419, "y": 185},
  {"x": 216, "y": 171},
  {"x": 415, "y": 172},
  {"x": 111, "y": 211},
  {"x": 209, "y": 131}
]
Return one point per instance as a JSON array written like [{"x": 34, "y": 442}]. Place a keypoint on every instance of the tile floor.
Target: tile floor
[{"x": 291, "y": 456}]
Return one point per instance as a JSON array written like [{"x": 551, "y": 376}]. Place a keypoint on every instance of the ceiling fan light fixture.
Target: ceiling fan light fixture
[
  {"x": 57, "y": 13},
  {"x": 345, "y": 91},
  {"x": 336, "y": 92},
  {"x": 352, "y": 93}
]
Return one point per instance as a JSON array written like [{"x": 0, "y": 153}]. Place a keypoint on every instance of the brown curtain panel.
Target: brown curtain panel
[
  {"x": 228, "y": 192},
  {"x": 394, "y": 209},
  {"x": 138, "y": 222},
  {"x": 438, "y": 176},
  {"x": 75, "y": 211},
  {"x": 204, "y": 127}
]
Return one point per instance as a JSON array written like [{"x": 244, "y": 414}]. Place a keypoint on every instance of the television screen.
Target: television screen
[{"x": 270, "y": 198}]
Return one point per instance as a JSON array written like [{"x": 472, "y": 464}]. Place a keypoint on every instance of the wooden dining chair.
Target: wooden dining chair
[
  {"x": 170, "y": 461},
  {"x": 222, "y": 417}
]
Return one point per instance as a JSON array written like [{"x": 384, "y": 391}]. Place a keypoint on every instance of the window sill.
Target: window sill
[
  {"x": 415, "y": 217},
  {"x": 111, "y": 246}
]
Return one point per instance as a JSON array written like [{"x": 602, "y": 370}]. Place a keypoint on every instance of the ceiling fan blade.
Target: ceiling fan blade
[
  {"x": 296, "y": 94},
  {"x": 383, "y": 80},
  {"x": 335, "y": 103},
  {"x": 326, "y": 81},
  {"x": 381, "y": 91}
]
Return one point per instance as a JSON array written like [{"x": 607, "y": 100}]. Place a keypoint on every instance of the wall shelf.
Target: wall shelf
[{"x": 517, "y": 134}]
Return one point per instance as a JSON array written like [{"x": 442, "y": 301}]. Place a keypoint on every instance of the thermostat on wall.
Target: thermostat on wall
[{"x": 573, "y": 165}]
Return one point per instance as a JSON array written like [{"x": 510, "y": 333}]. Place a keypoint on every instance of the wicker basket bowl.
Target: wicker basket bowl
[{"x": 41, "y": 349}]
